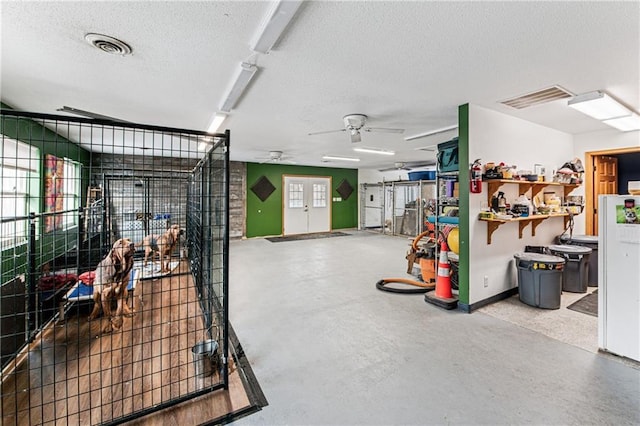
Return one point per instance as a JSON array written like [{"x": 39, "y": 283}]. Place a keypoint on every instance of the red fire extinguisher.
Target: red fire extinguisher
[{"x": 475, "y": 177}]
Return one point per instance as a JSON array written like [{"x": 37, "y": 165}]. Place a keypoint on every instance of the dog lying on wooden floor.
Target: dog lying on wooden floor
[
  {"x": 162, "y": 245},
  {"x": 111, "y": 280}
]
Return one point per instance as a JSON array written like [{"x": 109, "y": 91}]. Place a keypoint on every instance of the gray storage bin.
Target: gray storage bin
[
  {"x": 575, "y": 277},
  {"x": 590, "y": 241},
  {"x": 540, "y": 279}
]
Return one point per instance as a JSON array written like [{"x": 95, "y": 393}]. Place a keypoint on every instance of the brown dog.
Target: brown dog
[
  {"x": 162, "y": 245},
  {"x": 111, "y": 280}
]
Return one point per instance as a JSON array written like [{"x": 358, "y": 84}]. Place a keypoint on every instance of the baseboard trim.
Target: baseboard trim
[{"x": 495, "y": 298}]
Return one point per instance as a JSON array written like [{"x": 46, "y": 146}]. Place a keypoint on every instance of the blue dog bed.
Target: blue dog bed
[{"x": 81, "y": 291}]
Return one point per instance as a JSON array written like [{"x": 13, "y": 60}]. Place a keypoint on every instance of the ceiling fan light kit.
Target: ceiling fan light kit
[
  {"x": 354, "y": 123},
  {"x": 603, "y": 107}
]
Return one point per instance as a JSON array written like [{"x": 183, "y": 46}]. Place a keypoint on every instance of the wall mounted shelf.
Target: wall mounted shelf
[
  {"x": 523, "y": 186},
  {"x": 534, "y": 220}
]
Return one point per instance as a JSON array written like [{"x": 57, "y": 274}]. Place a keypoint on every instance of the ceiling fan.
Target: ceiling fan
[
  {"x": 408, "y": 165},
  {"x": 276, "y": 157},
  {"x": 354, "y": 124}
]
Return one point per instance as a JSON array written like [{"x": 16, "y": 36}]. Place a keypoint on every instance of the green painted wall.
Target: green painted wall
[
  {"x": 48, "y": 142},
  {"x": 265, "y": 218},
  {"x": 463, "y": 178}
]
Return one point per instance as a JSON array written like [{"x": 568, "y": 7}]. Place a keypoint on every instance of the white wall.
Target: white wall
[
  {"x": 496, "y": 137},
  {"x": 599, "y": 141},
  {"x": 374, "y": 176}
]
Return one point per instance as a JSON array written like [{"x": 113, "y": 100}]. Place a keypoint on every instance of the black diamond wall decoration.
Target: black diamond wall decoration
[
  {"x": 263, "y": 188},
  {"x": 344, "y": 189}
]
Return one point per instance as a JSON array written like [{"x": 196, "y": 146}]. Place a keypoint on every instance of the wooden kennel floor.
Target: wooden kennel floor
[{"x": 74, "y": 375}]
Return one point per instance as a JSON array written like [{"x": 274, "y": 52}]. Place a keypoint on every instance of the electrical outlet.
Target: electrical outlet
[{"x": 486, "y": 281}]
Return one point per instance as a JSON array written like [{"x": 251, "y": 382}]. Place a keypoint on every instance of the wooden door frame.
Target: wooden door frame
[
  {"x": 588, "y": 172},
  {"x": 329, "y": 196}
]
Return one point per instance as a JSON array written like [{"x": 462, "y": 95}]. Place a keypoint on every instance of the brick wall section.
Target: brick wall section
[{"x": 237, "y": 196}]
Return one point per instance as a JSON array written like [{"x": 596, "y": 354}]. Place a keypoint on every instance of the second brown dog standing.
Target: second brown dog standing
[{"x": 162, "y": 245}]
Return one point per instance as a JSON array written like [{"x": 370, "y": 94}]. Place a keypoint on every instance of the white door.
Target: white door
[{"x": 307, "y": 205}]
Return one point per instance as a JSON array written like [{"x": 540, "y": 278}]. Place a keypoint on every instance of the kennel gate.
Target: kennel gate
[{"x": 71, "y": 187}]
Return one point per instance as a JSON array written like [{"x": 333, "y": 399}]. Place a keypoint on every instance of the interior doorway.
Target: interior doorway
[
  {"x": 306, "y": 205},
  {"x": 602, "y": 176}
]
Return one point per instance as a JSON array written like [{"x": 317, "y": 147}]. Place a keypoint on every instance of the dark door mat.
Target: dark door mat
[
  {"x": 306, "y": 236},
  {"x": 587, "y": 305}
]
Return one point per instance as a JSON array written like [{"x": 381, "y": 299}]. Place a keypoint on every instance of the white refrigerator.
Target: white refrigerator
[{"x": 619, "y": 275}]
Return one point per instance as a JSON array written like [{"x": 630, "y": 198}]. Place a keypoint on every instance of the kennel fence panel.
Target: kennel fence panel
[{"x": 69, "y": 188}]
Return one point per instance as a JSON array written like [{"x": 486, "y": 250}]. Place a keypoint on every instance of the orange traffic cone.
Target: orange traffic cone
[{"x": 443, "y": 281}]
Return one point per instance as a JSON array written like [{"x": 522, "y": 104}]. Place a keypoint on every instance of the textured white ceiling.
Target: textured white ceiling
[{"x": 404, "y": 64}]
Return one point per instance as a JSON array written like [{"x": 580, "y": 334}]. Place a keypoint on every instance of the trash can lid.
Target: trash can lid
[
  {"x": 538, "y": 258},
  {"x": 586, "y": 239},
  {"x": 570, "y": 249}
]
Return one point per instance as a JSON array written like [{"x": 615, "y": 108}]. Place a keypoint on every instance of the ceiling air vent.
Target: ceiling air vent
[
  {"x": 108, "y": 44},
  {"x": 549, "y": 94}
]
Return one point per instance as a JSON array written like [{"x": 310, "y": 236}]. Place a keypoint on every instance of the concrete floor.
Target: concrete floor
[{"x": 328, "y": 348}]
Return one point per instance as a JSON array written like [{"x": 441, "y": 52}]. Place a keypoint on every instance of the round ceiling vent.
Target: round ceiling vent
[{"x": 108, "y": 44}]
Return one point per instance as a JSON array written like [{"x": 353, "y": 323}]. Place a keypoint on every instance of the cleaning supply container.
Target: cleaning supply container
[
  {"x": 540, "y": 279},
  {"x": 590, "y": 241},
  {"x": 575, "y": 277}
]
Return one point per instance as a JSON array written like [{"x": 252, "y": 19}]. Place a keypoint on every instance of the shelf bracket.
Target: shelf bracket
[
  {"x": 491, "y": 227},
  {"x": 521, "y": 225},
  {"x": 492, "y": 186},
  {"x": 534, "y": 225}
]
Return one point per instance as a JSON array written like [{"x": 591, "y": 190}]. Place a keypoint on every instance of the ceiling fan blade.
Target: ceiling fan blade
[
  {"x": 327, "y": 131},
  {"x": 382, "y": 130}
]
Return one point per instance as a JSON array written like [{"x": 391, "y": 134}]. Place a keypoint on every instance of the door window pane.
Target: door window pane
[
  {"x": 319, "y": 195},
  {"x": 296, "y": 196}
]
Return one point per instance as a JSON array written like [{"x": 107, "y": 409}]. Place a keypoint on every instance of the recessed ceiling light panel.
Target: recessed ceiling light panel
[{"x": 108, "y": 44}]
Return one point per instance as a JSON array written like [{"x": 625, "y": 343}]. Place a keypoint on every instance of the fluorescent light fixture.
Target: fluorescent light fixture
[
  {"x": 88, "y": 114},
  {"x": 625, "y": 124},
  {"x": 217, "y": 121},
  {"x": 277, "y": 20},
  {"x": 427, "y": 148},
  {"x": 598, "y": 105},
  {"x": 431, "y": 132},
  {"x": 333, "y": 157},
  {"x": 240, "y": 83},
  {"x": 374, "y": 151}
]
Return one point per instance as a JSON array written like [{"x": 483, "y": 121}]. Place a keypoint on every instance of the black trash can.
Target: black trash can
[
  {"x": 590, "y": 241},
  {"x": 540, "y": 279},
  {"x": 575, "y": 277}
]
